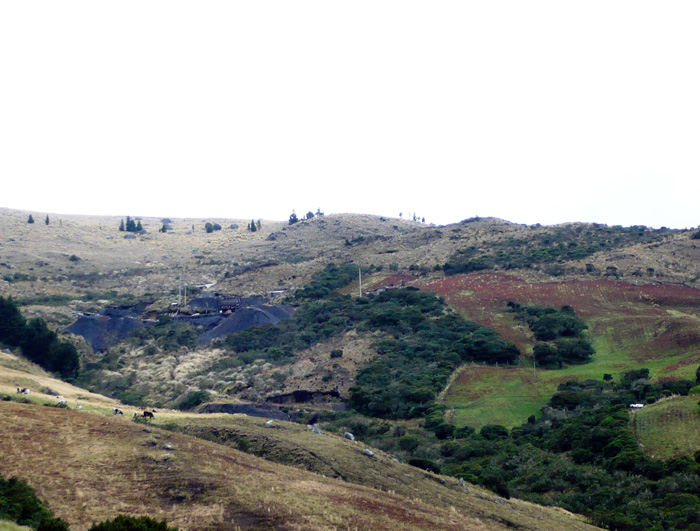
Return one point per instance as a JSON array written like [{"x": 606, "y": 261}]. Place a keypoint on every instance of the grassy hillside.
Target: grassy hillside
[
  {"x": 669, "y": 428},
  {"x": 636, "y": 289},
  {"x": 89, "y": 465},
  {"x": 653, "y": 326}
]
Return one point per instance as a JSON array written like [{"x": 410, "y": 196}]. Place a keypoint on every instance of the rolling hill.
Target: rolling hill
[
  {"x": 636, "y": 289},
  {"x": 89, "y": 465}
]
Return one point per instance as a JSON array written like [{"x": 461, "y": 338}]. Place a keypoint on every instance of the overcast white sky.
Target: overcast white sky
[{"x": 530, "y": 111}]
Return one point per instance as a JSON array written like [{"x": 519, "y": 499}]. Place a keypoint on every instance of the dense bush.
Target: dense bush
[
  {"x": 19, "y": 503},
  {"x": 131, "y": 523},
  {"x": 560, "y": 334},
  {"x": 192, "y": 399},
  {"x": 38, "y": 343}
]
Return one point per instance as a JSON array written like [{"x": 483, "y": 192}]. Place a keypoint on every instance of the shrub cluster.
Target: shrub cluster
[
  {"x": 560, "y": 334},
  {"x": 38, "y": 343}
]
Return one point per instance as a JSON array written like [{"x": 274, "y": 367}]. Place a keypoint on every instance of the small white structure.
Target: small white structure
[{"x": 636, "y": 406}]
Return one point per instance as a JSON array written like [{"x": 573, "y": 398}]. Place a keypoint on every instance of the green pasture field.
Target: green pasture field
[
  {"x": 482, "y": 395},
  {"x": 669, "y": 428}
]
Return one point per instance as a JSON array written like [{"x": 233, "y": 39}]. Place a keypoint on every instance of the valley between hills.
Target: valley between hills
[{"x": 486, "y": 366}]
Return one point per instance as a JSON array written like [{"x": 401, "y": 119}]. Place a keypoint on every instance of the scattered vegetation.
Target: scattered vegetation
[
  {"x": 293, "y": 218},
  {"x": 559, "y": 244}
]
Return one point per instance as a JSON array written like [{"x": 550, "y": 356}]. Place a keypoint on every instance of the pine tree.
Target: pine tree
[
  {"x": 31, "y": 219},
  {"x": 121, "y": 226},
  {"x": 259, "y": 224},
  {"x": 130, "y": 224},
  {"x": 253, "y": 228},
  {"x": 139, "y": 228},
  {"x": 47, "y": 219},
  {"x": 293, "y": 218}
]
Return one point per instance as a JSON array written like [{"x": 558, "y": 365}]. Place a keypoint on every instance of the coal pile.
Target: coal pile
[
  {"x": 245, "y": 318},
  {"x": 107, "y": 329}
]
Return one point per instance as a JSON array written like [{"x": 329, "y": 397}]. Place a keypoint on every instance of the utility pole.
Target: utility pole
[{"x": 359, "y": 272}]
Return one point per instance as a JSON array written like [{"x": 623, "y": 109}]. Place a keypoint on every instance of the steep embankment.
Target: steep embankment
[{"x": 89, "y": 467}]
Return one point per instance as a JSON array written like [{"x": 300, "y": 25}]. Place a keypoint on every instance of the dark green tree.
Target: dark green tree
[
  {"x": 309, "y": 215},
  {"x": 574, "y": 350},
  {"x": 130, "y": 224},
  {"x": 139, "y": 227},
  {"x": 12, "y": 323},
  {"x": 293, "y": 218},
  {"x": 131, "y": 523},
  {"x": 546, "y": 355},
  {"x": 53, "y": 524},
  {"x": 31, "y": 219},
  {"x": 47, "y": 219},
  {"x": 121, "y": 226},
  {"x": 19, "y": 503},
  {"x": 252, "y": 226},
  {"x": 208, "y": 227}
]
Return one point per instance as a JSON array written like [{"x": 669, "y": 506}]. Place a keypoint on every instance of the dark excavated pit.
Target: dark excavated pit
[
  {"x": 302, "y": 396},
  {"x": 113, "y": 325}
]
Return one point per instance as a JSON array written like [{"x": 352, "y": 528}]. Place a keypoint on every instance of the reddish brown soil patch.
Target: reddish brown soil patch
[{"x": 635, "y": 313}]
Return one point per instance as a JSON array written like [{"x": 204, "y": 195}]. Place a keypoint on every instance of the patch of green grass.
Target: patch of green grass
[
  {"x": 509, "y": 395},
  {"x": 669, "y": 428}
]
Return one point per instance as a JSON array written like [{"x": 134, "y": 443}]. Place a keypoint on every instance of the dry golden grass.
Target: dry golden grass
[{"x": 90, "y": 467}]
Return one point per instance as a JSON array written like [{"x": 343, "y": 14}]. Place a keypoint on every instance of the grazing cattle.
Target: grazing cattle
[
  {"x": 118, "y": 411},
  {"x": 62, "y": 403},
  {"x": 148, "y": 415},
  {"x": 23, "y": 390},
  {"x": 138, "y": 415}
]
